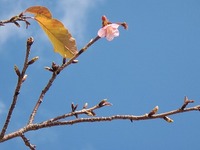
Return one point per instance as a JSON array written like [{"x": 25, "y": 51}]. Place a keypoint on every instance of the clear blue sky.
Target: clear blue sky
[{"x": 155, "y": 62}]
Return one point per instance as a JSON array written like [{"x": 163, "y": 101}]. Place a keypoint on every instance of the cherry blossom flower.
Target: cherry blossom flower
[{"x": 109, "y": 31}]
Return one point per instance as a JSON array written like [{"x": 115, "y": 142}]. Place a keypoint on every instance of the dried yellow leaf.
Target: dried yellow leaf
[{"x": 61, "y": 39}]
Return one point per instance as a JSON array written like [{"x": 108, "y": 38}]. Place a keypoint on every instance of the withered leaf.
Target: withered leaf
[{"x": 61, "y": 39}]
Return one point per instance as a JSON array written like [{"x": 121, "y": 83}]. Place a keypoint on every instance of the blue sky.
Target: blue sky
[{"x": 155, "y": 62}]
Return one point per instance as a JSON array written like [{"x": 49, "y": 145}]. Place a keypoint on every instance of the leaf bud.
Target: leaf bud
[
  {"x": 85, "y": 106},
  {"x": 48, "y": 68},
  {"x": 168, "y": 119},
  {"x": 24, "y": 77},
  {"x": 17, "y": 70},
  {"x": 90, "y": 113},
  {"x": 64, "y": 60},
  {"x": 75, "y": 61},
  {"x": 55, "y": 66},
  {"x": 153, "y": 111},
  {"x": 104, "y": 103},
  {"x": 33, "y": 60},
  {"x": 30, "y": 41}
]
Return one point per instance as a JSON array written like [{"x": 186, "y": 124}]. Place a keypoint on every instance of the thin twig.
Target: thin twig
[
  {"x": 15, "y": 20},
  {"x": 53, "y": 77},
  {"x": 46, "y": 124},
  {"x": 27, "y": 142},
  {"x": 86, "y": 111},
  {"x": 186, "y": 102},
  {"x": 44, "y": 91},
  {"x": 92, "y": 41},
  {"x": 17, "y": 89}
]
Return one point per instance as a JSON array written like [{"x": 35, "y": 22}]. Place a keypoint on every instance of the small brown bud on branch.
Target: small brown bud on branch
[
  {"x": 75, "y": 61},
  {"x": 90, "y": 113},
  {"x": 49, "y": 69},
  {"x": 154, "y": 111},
  {"x": 104, "y": 103},
  {"x": 24, "y": 78},
  {"x": 64, "y": 60},
  {"x": 85, "y": 106},
  {"x": 33, "y": 60},
  {"x": 17, "y": 70},
  {"x": 74, "y": 107},
  {"x": 168, "y": 119},
  {"x": 30, "y": 41},
  {"x": 54, "y": 66}
]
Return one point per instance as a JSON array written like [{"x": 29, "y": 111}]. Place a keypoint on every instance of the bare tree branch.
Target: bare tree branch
[
  {"x": 44, "y": 91},
  {"x": 92, "y": 41},
  {"x": 15, "y": 20},
  {"x": 57, "y": 120},
  {"x": 27, "y": 142},
  {"x": 56, "y": 70},
  {"x": 85, "y": 110},
  {"x": 18, "y": 86}
]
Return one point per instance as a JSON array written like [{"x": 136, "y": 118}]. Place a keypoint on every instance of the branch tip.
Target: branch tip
[{"x": 30, "y": 41}]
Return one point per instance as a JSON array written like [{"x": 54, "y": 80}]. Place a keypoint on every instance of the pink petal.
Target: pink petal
[
  {"x": 114, "y": 25},
  {"x": 109, "y": 37},
  {"x": 102, "y": 32},
  {"x": 109, "y": 31},
  {"x": 116, "y": 33}
]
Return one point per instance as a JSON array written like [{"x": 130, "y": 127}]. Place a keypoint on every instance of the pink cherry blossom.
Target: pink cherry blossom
[{"x": 109, "y": 31}]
